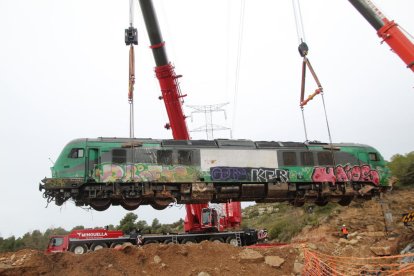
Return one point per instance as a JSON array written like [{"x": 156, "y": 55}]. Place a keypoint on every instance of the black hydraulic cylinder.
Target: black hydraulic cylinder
[
  {"x": 154, "y": 33},
  {"x": 368, "y": 13}
]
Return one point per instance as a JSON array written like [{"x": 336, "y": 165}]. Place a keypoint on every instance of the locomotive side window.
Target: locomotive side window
[
  {"x": 165, "y": 157},
  {"x": 325, "y": 158},
  {"x": 307, "y": 158},
  {"x": 345, "y": 158},
  {"x": 185, "y": 157},
  {"x": 289, "y": 158},
  {"x": 145, "y": 156},
  {"x": 373, "y": 156},
  {"x": 119, "y": 156},
  {"x": 76, "y": 153}
]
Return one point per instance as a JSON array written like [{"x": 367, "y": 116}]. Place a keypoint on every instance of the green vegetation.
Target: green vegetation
[
  {"x": 38, "y": 240},
  {"x": 402, "y": 168},
  {"x": 284, "y": 221}
]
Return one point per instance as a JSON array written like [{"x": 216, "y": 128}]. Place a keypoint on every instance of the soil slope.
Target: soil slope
[{"x": 368, "y": 237}]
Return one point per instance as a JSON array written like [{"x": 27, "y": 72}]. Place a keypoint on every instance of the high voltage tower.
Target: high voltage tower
[{"x": 209, "y": 127}]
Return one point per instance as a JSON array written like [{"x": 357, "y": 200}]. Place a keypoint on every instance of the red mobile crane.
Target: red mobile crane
[
  {"x": 172, "y": 97},
  {"x": 387, "y": 30}
]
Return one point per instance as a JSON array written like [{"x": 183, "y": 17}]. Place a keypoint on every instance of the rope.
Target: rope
[{"x": 239, "y": 50}]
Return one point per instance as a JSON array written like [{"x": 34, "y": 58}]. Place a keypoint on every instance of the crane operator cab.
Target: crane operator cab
[{"x": 209, "y": 219}]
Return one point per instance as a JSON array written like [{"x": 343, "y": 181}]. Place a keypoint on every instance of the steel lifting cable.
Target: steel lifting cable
[
  {"x": 239, "y": 51},
  {"x": 131, "y": 90},
  {"x": 131, "y": 74},
  {"x": 131, "y": 13},
  {"x": 303, "y": 51},
  {"x": 300, "y": 30},
  {"x": 131, "y": 38}
]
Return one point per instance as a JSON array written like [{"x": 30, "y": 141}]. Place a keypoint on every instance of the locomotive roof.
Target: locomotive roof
[{"x": 218, "y": 143}]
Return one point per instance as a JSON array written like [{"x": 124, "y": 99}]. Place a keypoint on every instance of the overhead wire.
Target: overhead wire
[
  {"x": 238, "y": 62},
  {"x": 228, "y": 10}
]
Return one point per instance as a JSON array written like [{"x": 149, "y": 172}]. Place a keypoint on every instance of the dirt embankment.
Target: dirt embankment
[
  {"x": 368, "y": 237},
  {"x": 369, "y": 231},
  {"x": 202, "y": 259}
]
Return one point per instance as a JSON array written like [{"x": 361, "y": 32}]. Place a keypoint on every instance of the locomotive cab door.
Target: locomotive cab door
[{"x": 92, "y": 162}]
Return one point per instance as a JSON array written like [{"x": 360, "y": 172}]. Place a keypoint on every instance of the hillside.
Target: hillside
[
  {"x": 365, "y": 221},
  {"x": 316, "y": 230}
]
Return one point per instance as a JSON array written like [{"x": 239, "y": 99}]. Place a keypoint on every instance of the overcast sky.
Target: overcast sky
[{"x": 64, "y": 75}]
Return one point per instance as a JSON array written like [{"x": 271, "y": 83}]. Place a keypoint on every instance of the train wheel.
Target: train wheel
[
  {"x": 79, "y": 249},
  {"x": 131, "y": 204},
  {"x": 98, "y": 246},
  {"x": 59, "y": 201},
  {"x": 100, "y": 204},
  {"x": 322, "y": 201},
  {"x": 232, "y": 241},
  {"x": 216, "y": 240},
  {"x": 161, "y": 204},
  {"x": 298, "y": 202},
  {"x": 345, "y": 201}
]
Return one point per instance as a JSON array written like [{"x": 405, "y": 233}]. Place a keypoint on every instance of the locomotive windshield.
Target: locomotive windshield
[{"x": 76, "y": 153}]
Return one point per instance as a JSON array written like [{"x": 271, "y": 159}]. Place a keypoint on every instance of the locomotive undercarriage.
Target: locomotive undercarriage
[{"x": 130, "y": 195}]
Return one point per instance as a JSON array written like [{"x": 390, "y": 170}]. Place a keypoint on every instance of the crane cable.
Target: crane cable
[
  {"x": 300, "y": 30},
  {"x": 303, "y": 51},
  {"x": 237, "y": 77},
  {"x": 131, "y": 74},
  {"x": 131, "y": 90}
]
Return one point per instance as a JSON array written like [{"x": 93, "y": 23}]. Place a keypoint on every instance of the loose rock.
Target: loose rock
[
  {"x": 381, "y": 250},
  {"x": 157, "y": 259},
  {"x": 297, "y": 268},
  {"x": 274, "y": 261},
  {"x": 250, "y": 256}
]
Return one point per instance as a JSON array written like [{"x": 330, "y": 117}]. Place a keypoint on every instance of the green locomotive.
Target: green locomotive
[{"x": 130, "y": 172}]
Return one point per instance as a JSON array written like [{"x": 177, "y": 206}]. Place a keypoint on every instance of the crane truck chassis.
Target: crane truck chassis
[{"x": 82, "y": 241}]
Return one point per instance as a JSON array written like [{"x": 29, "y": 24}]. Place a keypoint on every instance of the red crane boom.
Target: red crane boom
[
  {"x": 172, "y": 97},
  {"x": 388, "y": 30}
]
